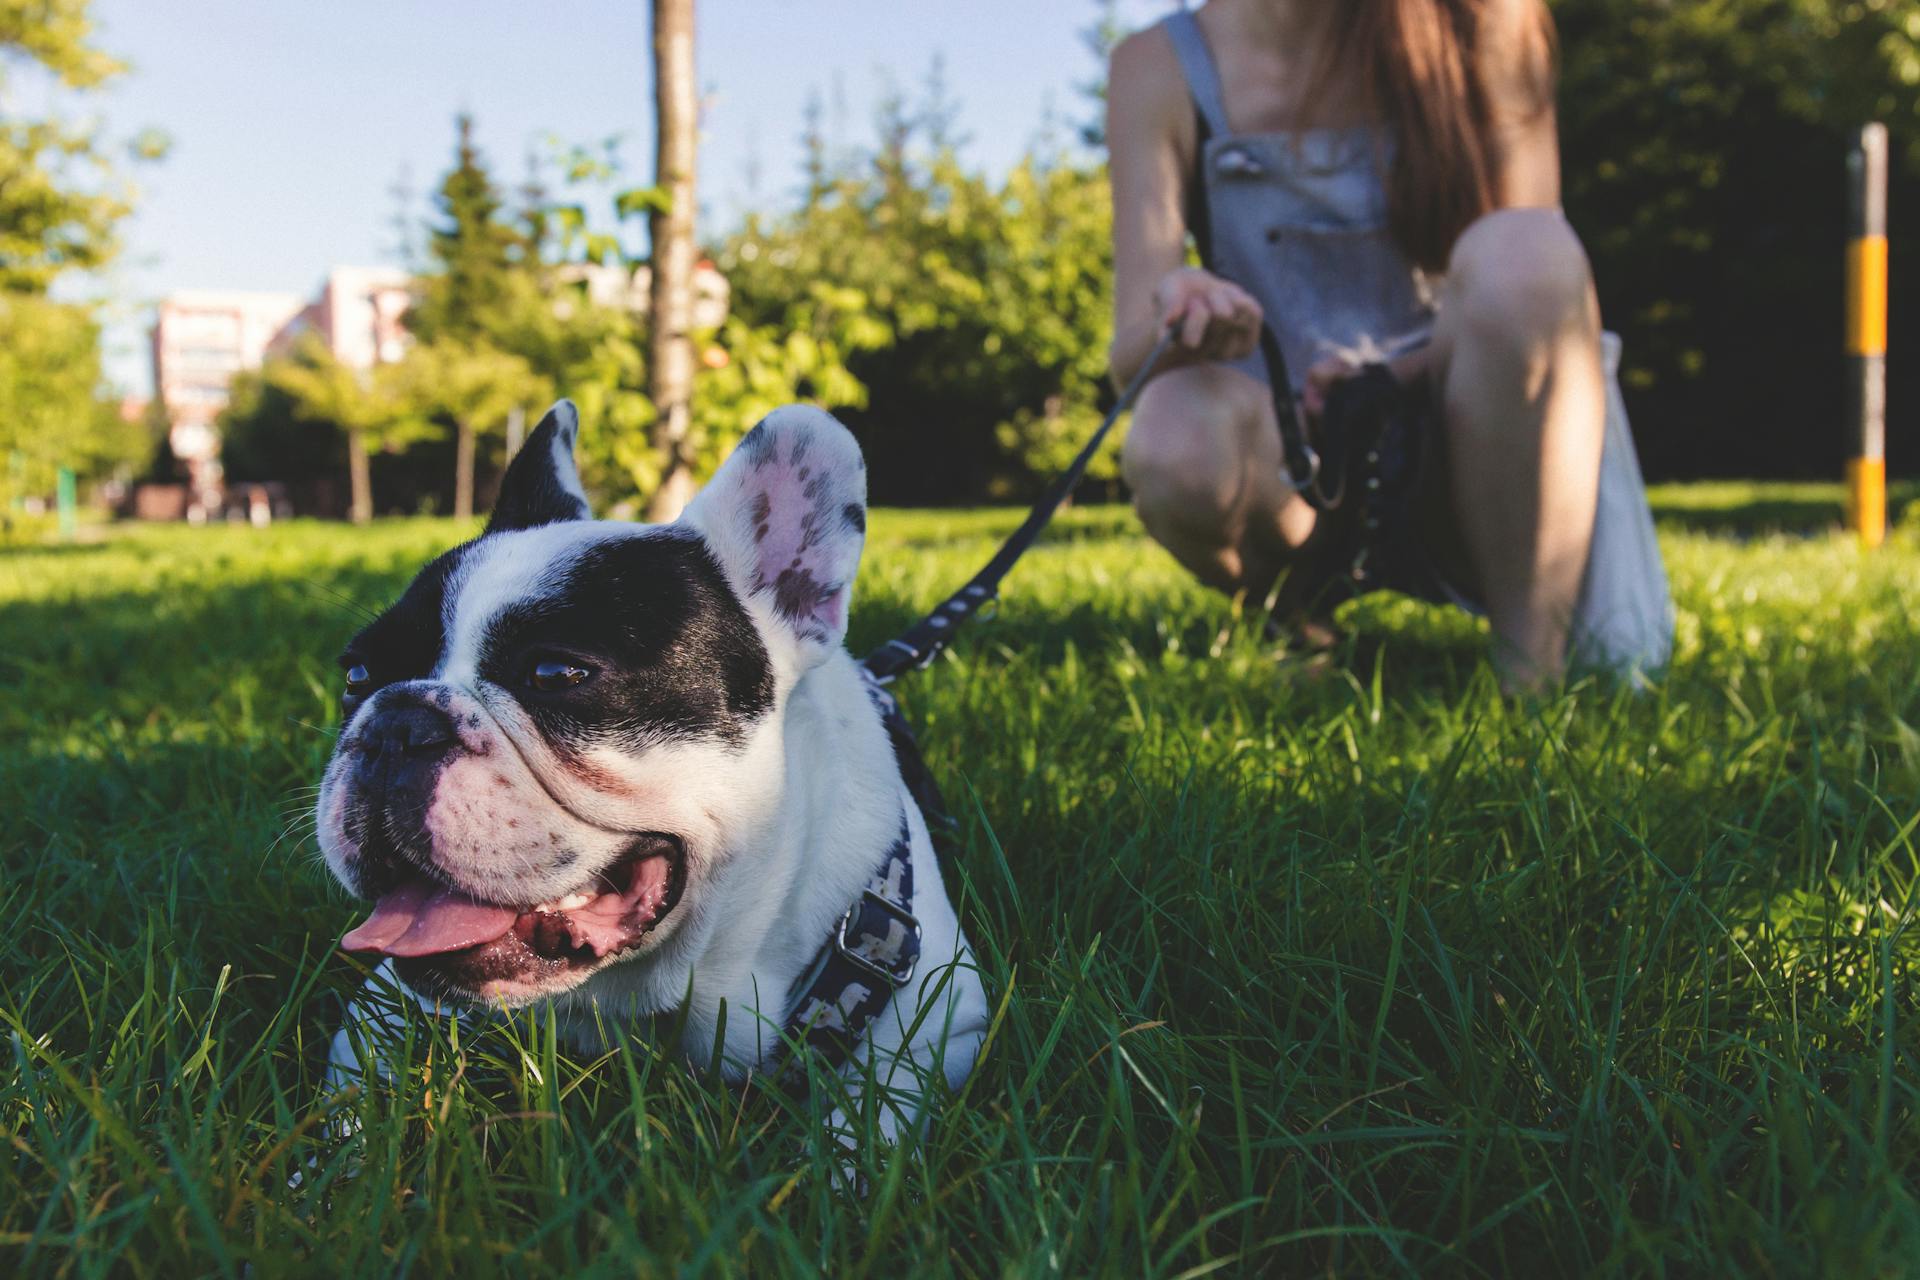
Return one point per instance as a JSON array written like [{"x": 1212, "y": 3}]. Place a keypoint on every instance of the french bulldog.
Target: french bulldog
[{"x": 630, "y": 772}]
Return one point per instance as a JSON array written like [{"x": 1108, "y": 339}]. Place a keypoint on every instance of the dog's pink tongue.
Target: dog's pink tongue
[{"x": 423, "y": 919}]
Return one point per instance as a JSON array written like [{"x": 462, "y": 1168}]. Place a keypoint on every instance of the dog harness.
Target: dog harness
[
  {"x": 874, "y": 947},
  {"x": 872, "y": 952}
]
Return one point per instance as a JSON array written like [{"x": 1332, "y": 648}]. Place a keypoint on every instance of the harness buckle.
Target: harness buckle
[{"x": 899, "y": 975}]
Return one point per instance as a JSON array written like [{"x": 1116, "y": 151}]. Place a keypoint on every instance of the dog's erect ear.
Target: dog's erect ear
[
  {"x": 542, "y": 484},
  {"x": 786, "y": 517}
]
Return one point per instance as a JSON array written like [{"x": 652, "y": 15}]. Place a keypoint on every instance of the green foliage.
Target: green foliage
[
  {"x": 498, "y": 323},
  {"x": 746, "y": 368},
  {"x": 264, "y": 435},
  {"x": 506, "y": 315},
  {"x": 1350, "y": 969},
  {"x": 960, "y": 322},
  {"x": 463, "y": 382},
  {"x": 61, "y": 202},
  {"x": 976, "y": 313},
  {"x": 61, "y": 197},
  {"x": 324, "y": 391},
  {"x": 51, "y": 412},
  {"x": 595, "y": 355},
  {"x": 1704, "y": 153},
  {"x": 476, "y": 254}
]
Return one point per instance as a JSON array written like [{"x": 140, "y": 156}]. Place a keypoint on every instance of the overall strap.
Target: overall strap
[{"x": 1196, "y": 63}]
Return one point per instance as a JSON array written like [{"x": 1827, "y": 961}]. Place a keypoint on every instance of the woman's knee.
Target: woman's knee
[
  {"x": 1520, "y": 274},
  {"x": 1185, "y": 454}
]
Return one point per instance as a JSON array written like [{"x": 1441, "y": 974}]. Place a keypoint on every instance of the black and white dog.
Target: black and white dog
[{"x": 631, "y": 770}]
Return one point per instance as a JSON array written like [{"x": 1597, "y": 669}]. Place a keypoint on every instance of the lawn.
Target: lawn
[{"x": 1354, "y": 969}]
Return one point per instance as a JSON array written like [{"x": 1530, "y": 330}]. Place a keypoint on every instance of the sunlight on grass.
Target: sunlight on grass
[{"x": 1351, "y": 968}]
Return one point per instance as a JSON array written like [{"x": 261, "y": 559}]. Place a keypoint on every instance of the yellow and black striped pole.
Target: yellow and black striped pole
[{"x": 1867, "y": 334}]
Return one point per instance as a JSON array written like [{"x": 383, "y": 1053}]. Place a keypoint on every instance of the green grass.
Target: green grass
[{"x": 1361, "y": 971}]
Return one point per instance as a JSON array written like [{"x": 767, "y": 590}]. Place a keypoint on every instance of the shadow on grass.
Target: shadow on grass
[
  {"x": 1743, "y": 510},
  {"x": 254, "y": 657},
  {"x": 45, "y": 550}
]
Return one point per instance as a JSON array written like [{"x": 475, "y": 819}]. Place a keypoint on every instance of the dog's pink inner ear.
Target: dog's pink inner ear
[
  {"x": 787, "y": 515},
  {"x": 805, "y": 533}
]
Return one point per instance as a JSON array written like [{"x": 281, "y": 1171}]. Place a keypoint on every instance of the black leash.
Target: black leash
[
  {"x": 1323, "y": 488},
  {"x": 1363, "y": 419},
  {"x": 874, "y": 948},
  {"x": 1302, "y": 461},
  {"x": 921, "y": 643}
]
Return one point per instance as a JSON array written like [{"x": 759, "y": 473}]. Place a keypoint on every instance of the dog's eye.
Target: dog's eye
[
  {"x": 551, "y": 677},
  {"x": 359, "y": 679}
]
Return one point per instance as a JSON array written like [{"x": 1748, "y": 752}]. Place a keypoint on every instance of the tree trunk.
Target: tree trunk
[
  {"x": 462, "y": 469},
  {"x": 670, "y": 357},
  {"x": 359, "y": 477}
]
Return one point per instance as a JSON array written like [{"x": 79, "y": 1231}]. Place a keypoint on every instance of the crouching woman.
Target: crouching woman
[{"x": 1378, "y": 181}]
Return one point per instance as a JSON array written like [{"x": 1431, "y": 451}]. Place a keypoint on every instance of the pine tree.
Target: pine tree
[
  {"x": 473, "y": 250},
  {"x": 479, "y": 258}
]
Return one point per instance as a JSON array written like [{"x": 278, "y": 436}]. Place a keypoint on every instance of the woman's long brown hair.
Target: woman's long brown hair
[{"x": 1425, "y": 69}]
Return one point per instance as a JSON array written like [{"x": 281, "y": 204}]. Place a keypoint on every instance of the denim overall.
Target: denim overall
[{"x": 1299, "y": 220}]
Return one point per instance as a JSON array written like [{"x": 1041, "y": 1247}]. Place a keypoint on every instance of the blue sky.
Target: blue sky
[{"x": 292, "y": 119}]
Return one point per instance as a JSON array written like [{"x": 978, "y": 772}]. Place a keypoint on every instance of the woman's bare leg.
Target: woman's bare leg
[
  {"x": 1203, "y": 460},
  {"x": 1520, "y": 382}
]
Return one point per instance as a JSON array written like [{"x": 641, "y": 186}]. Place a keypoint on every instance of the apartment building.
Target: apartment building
[{"x": 201, "y": 338}]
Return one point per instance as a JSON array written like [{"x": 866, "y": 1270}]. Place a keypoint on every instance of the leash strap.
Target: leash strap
[
  {"x": 913, "y": 766},
  {"x": 874, "y": 949},
  {"x": 921, "y": 643},
  {"x": 1301, "y": 459}
]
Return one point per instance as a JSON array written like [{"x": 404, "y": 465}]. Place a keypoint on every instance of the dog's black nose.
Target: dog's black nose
[{"x": 410, "y": 731}]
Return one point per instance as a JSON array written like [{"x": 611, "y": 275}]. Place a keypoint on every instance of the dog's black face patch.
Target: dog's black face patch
[
  {"x": 670, "y": 651},
  {"x": 405, "y": 642},
  {"x": 394, "y": 764}
]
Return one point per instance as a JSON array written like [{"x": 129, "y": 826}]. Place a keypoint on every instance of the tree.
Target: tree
[
  {"x": 61, "y": 202},
  {"x": 365, "y": 407},
  {"x": 973, "y": 314},
  {"x": 471, "y": 385},
  {"x": 1704, "y": 149},
  {"x": 593, "y": 353},
  {"x": 264, "y": 437},
  {"x": 52, "y": 414},
  {"x": 61, "y": 193},
  {"x": 671, "y": 230},
  {"x": 474, "y": 299},
  {"x": 473, "y": 251}
]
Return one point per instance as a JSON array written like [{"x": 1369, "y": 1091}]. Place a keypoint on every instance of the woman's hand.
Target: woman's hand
[
  {"x": 1217, "y": 319},
  {"x": 1320, "y": 381},
  {"x": 1412, "y": 367}
]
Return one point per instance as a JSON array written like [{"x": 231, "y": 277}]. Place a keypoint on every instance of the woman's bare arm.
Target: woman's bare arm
[
  {"x": 1151, "y": 140},
  {"x": 1517, "y": 52}
]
